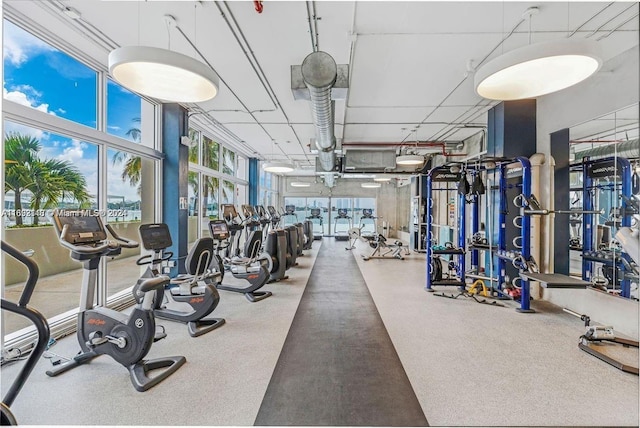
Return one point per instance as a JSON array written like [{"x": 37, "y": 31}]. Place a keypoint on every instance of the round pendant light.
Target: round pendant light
[
  {"x": 300, "y": 184},
  {"x": 277, "y": 167},
  {"x": 410, "y": 160},
  {"x": 538, "y": 69},
  {"x": 163, "y": 74},
  {"x": 370, "y": 185}
]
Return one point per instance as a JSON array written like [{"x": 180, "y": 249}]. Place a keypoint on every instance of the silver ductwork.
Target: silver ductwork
[
  {"x": 627, "y": 149},
  {"x": 319, "y": 71}
]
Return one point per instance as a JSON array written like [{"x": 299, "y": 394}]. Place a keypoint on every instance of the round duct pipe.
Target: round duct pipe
[
  {"x": 626, "y": 149},
  {"x": 319, "y": 71}
]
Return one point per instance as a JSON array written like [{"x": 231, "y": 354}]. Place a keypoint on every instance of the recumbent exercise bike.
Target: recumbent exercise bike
[{"x": 189, "y": 297}]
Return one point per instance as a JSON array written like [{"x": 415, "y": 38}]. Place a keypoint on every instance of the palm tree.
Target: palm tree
[
  {"x": 53, "y": 180},
  {"x": 48, "y": 180},
  {"x": 132, "y": 169},
  {"x": 20, "y": 151}
]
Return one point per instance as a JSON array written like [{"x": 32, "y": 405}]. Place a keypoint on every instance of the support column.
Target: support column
[
  {"x": 175, "y": 171},
  {"x": 254, "y": 181},
  {"x": 512, "y": 129},
  {"x": 561, "y": 196}
]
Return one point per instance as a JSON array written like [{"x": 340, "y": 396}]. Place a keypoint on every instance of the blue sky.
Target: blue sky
[{"x": 41, "y": 77}]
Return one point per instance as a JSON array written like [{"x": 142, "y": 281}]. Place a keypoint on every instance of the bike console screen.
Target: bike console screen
[
  {"x": 155, "y": 236},
  {"x": 82, "y": 228}
]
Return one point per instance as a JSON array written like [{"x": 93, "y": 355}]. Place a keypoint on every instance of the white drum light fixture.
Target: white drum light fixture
[
  {"x": 300, "y": 184},
  {"x": 277, "y": 167},
  {"x": 163, "y": 74},
  {"x": 538, "y": 69},
  {"x": 370, "y": 185},
  {"x": 410, "y": 160}
]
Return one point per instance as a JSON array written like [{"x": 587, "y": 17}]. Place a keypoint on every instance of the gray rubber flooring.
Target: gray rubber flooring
[{"x": 338, "y": 366}]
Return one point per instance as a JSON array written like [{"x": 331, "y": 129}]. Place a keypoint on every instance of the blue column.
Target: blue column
[
  {"x": 253, "y": 181},
  {"x": 175, "y": 171}
]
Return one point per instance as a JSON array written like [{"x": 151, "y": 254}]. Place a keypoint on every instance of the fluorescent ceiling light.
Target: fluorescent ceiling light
[
  {"x": 538, "y": 69},
  {"x": 163, "y": 74},
  {"x": 277, "y": 167},
  {"x": 382, "y": 179},
  {"x": 410, "y": 160},
  {"x": 370, "y": 185},
  {"x": 300, "y": 184}
]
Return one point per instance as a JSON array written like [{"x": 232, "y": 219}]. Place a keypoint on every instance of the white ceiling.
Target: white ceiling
[{"x": 408, "y": 61}]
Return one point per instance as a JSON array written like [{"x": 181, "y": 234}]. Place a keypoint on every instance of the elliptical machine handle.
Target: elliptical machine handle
[
  {"x": 82, "y": 249},
  {"x": 124, "y": 242},
  {"x": 32, "y": 267}
]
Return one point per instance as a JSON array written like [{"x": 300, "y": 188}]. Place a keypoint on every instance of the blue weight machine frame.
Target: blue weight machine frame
[{"x": 621, "y": 166}]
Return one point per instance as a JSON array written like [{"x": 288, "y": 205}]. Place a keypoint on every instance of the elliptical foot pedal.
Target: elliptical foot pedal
[
  {"x": 198, "y": 328},
  {"x": 139, "y": 372},
  {"x": 256, "y": 296},
  {"x": 159, "y": 334}
]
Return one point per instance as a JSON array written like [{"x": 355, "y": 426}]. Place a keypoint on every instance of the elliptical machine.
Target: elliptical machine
[
  {"x": 274, "y": 217},
  {"x": 42, "y": 327},
  {"x": 196, "y": 290},
  {"x": 126, "y": 339},
  {"x": 263, "y": 218},
  {"x": 250, "y": 268}
]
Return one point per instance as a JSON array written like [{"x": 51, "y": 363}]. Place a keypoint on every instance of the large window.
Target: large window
[
  {"x": 218, "y": 174},
  {"x": 267, "y": 189},
  {"x": 39, "y": 76},
  {"x": 130, "y": 192},
  {"x": 210, "y": 153},
  {"x": 228, "y": 161},
  {"x": 75, "y": 167},
  {"x": 43, "y": 171}
]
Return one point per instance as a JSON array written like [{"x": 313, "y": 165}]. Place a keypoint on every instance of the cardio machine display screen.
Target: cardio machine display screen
[
  {"x": 218, "y": 230},
  {"x": 229, "y": 211},
  {"x": 248, "y": 211},
  {"x": 155, "y": 236},
  {"x": 81, "y": 228}
]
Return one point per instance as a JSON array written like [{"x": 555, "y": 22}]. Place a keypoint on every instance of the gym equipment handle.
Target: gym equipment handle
[
  {"x": 125, "y": 243},
  {"x": 153, "y": 283}
]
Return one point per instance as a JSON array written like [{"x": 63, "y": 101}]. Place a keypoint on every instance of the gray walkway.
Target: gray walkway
[{"x": 338, "y": 365}]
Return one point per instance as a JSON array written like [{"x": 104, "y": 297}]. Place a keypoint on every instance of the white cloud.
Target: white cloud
[
  {"x": 61, "y": 110},
  {"x": 22, "y": 99},
  {"x": 117, "y": 187},
  {"x": 114, "y": 127},
  {"x": 74, "y": 153},
  {"x": 12, "y": 127},
  {"x": 19, "y": 45},
  {"x": 28, "y": 89}
]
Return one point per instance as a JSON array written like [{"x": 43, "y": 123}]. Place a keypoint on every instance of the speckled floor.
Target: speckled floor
[{"x": 468, "y": 364}]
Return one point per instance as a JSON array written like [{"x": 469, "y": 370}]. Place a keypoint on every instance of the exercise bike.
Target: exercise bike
[
  {"x": 42, "y": 327},
  {"x": 194, "y": 291},
  {"x": 250, "y": 268},
  {"x": 126, "y": 339}
]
